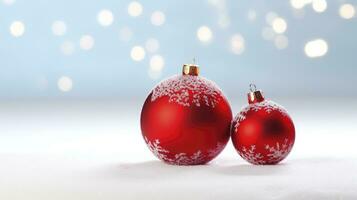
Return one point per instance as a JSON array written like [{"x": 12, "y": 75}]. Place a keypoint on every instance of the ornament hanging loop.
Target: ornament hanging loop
[
  {"x": 254, "y": 96},
  {"x": 252, "y": 87}
]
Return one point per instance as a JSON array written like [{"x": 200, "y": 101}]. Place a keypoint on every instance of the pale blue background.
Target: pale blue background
[{"x": 107, "y": 70}]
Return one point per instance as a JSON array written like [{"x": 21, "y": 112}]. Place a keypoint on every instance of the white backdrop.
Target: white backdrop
[{"x": 94, "y": 150}]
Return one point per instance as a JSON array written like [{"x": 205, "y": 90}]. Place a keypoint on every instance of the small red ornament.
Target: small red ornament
[
  {"x": 263, "y": 132},
  {"x": 186, "y": 119}
]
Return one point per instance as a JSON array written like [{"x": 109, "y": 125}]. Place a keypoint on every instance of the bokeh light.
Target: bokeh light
[
  {"x": 86, "y": 42},
  {"x": 319, "y": 5},
  {"x": 204, "y": 34},
  {"x": 270, "y": 17},
  {"x": 17, "y": 28},
  {"x": 105, "y": 17},
  {"x": 157, "y": 63},
  {"x": 268, "y": 33},
  {"x": 316, "y": 48},
  {"x": 299, "y": 13},
  {"x": 135, "y": 9},
  {"x": 237, "y": 44},
  {"x": 157, "y": 18},
  {"x": 41, "y": 83},
  {"x": 59, "y": 28},
  {"x": 8, "y": 2},
  {"x": 67, "y": 48},
  {"x": 125, "y": 34},
  {"x": 279, "y": 25},
  {"x": 153, "y": 74},
  {"x": 137, "y": 53},
  {"x": 281, "y": 42},
  {"x": 252, "y": 15},
  {"x": 65, "y": 84},
  {"x": 299, "y": 4},
  {"x": 347, "y": 11},
  {"x": 224, "y": 21},
  {"x": 152, "y": 45}
]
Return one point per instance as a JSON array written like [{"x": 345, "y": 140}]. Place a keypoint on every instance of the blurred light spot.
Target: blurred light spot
[
  {"x": 125, "y": 34},
  {"x": 224, "y": 21},
  {"x": 281, "y": 42},
  {"x": 59, "y": 28},
  {"x": 319, "y": 5},
  {"x": 154, "y": 74},
  {"x": 152, "y": 45},
  {"x": 299, "y": 13},
  {"x": 237, "y": 44},
  {"x": 135, "y": 9},
  {"x": 316, "y": 48},
  {"x": 220, "y": 5},
  {"x": 137, "y": 53},
  {"x": 65, "y": 84},
  {"x": 42, "y": 83},
  {"x": 105, "y": 17},
  {"x": 157, "y": 63},
  {"x": 270, "y": 17},
  {"x": 268, "y": 33},
  {"x": 204, "y": 34},
  {"x": 279, "y": 25},
  {"x": 67, "y": 48},
  {"x": 252, "y": 15},
  {"x": 157, "y": 18},
  {"x": 86, "y": 42},
  {"x": 347, "y": 11},
  {"x": 215, "y": 2},
  {"x": 17, "y": 28},
  {"x": 8, "y": 2},
  {"x": 298, "y": 4}
]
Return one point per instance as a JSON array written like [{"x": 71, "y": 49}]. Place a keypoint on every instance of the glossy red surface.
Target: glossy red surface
[
  {"x": 183, "y": 134},
  {"x": 263, "y": 133}
]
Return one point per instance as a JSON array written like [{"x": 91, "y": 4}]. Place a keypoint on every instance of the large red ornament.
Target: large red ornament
[
  {"x": 263, "y": 132},
  {"x": 186, "y": 119}
]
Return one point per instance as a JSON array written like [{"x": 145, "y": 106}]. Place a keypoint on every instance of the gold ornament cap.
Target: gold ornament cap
[
  {"x": 191, "y": 69},
  {"x": 255, "y": 96}
]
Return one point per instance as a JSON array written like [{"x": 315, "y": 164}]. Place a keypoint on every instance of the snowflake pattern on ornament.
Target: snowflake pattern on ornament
[
  {"x": 272, "y": 154},
  {"x": 156, "y": 149},
  {"x": 215, "y": 151},
  {"x": 267, "y": 106},
  {"x": 177, "y": 89},
  {"x": 251, "y": 156},
  {"x": 180, "y": 158},
  {"x": 278, "y": 151}
]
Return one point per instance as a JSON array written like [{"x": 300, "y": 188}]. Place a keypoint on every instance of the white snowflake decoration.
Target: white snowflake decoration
[
  {"x": 272, "y": 154},
  {"x": 181, "y": 158},
  {"x": 251, "y": 156},
  {"x": 177, "y": 89},
  {"x": 215, "y": 151},
  {"x": 267, "y": 106},
  {"x": 156, "y": 149},
  {"x": 279, "y": 151}
]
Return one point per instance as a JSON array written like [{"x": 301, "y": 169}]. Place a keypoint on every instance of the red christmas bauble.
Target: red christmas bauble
[
  {"x": 263, "y": 132},
  {"x": 186, "y": 119}
]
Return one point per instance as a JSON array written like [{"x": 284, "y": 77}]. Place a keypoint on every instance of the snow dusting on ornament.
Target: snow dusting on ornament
[
  {"x": 267, "y": 106},
  {"x": 177, "y": 89},
  {"x": 273, "y": 153},
  {"x": 181, "y": 158},
  {"x": 251, "y": 156},
  {"x": 278, "y": 151}
]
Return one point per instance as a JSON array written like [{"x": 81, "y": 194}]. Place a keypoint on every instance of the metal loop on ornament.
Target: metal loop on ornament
[{"x": 252, "y": 87}]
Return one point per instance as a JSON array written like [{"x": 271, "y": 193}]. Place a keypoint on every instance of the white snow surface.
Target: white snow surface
[{"x": 94, "y": 150}]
